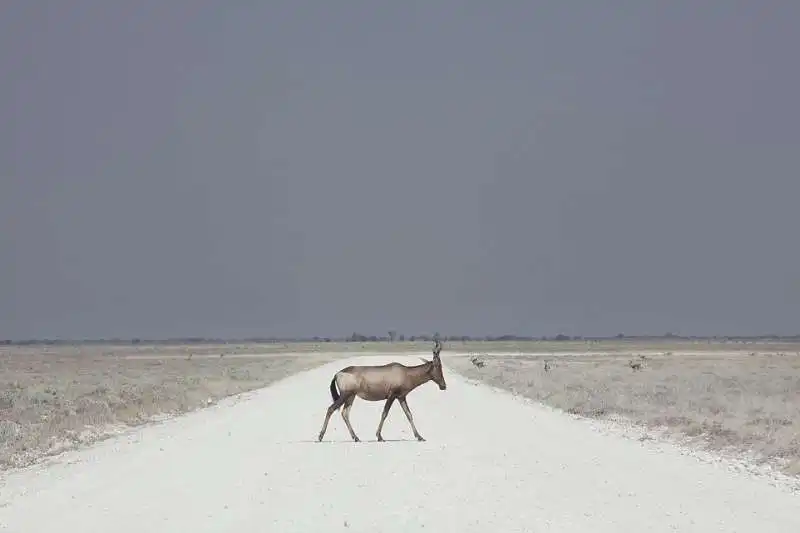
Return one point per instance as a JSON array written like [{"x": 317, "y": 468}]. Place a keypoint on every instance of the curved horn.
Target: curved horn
[{"x": 437, "y": 347}]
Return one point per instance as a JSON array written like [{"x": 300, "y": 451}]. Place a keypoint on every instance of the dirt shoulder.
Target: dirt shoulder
[
  {"x": 747, "y": 405},
  {"x": 53, "y": 400}
]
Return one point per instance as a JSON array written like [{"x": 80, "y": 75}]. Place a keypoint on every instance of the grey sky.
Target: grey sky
[{"x": 196, "y": 167}]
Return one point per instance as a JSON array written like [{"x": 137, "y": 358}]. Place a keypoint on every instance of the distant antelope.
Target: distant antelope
[
  {"x": 388, "y": 382},
  {"x": 475, "y": 360},
  {"x": 637, "y": 365}
]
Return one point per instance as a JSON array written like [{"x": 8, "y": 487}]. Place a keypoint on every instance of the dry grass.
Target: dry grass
[
  {"x": 65, "y": 398},
  {"x": 58, "y": 397},
  {"x": 745, "y": 403}
]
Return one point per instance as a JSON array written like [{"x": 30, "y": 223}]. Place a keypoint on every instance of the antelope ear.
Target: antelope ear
[{"x": 424, "y": 360}]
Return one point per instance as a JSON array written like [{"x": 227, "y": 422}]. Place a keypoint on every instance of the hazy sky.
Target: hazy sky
[{"x": 197, "y": 167}]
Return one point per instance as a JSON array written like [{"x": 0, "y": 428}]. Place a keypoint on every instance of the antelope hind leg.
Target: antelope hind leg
[
  {"x": 346, "y": 415},
  {"x": 332, "y": 409}
]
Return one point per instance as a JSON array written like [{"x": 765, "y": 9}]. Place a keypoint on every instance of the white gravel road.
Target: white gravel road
[{"x": 491, "y": 463}]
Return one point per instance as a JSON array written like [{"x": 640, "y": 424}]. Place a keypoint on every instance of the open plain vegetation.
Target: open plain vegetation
[
  {"x": 739, "y": 399},
  {"x": 54, "y": 398}
]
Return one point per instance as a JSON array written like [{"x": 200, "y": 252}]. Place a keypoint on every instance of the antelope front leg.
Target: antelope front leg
[
  {"x": 386, "y": 407},
  {"x": 407, "y": 411}
]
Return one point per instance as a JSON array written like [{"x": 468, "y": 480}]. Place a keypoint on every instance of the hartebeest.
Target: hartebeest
[{"x": 388, "y": 382}]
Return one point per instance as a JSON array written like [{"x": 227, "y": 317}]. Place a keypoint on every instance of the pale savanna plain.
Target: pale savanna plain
[{"x": 738, "y": 400}]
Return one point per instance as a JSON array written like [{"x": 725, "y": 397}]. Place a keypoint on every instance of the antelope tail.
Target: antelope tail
[{"x": 334, "y": 392}]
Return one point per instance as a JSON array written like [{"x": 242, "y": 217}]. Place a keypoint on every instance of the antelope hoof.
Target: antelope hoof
[
  {"x": 380, "y": 439},
  {"x": 419, "y": 438},
  {"x": 356, "y": 439},
  {"x": 319, "y": 439}
]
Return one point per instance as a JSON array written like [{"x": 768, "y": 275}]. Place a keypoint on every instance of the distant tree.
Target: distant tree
[{"x": 392, "y": 335}]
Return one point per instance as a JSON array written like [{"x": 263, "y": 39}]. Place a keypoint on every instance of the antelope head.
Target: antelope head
[{"x": 436, "y": 366}]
